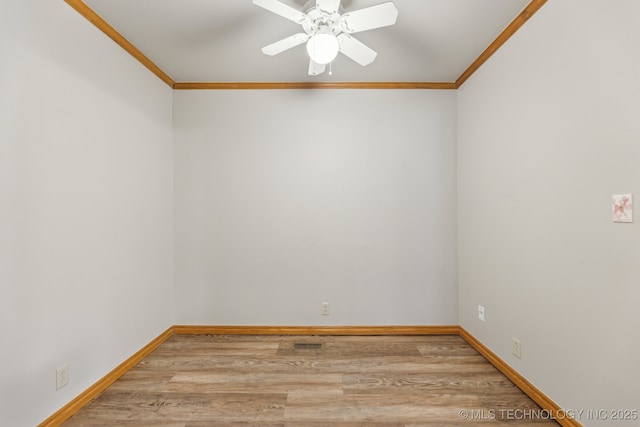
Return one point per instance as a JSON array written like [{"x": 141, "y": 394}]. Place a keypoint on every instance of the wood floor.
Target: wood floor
[{"x": 388, "y": 381}]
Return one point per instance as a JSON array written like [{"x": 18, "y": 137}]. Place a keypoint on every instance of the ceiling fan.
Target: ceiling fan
[{"x": 327, "y": 30}]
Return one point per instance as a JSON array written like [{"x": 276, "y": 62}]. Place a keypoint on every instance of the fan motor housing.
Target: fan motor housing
[{"x": 320, "y": 22}]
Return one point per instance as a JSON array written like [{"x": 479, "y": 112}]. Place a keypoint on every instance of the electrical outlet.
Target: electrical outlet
[
  {"x": 481, "y": 313},
  {"x": 62, "y": 376},
  {"x": 325, "y": 309},
  {"x": 517, "y": 348}
]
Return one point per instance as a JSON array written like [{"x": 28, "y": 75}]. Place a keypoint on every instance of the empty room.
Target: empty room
[{"x": 206, "y": 221}]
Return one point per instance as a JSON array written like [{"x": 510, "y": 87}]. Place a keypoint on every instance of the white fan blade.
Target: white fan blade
[
  {"x": 282, "y": 9},
  {"x": 315, "y": 68},
  {"x": 329, "y": 6},
  {"x": 382, "y": 15},
  {"x": 356, "y": 50},
  {"x": 284, "y": 44}
]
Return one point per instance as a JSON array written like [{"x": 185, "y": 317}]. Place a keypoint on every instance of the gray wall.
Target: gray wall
[
  {"x": 85, "y": 207},
  {"x": 286, "y": 199},
  {"x": 547, "y": 133}
]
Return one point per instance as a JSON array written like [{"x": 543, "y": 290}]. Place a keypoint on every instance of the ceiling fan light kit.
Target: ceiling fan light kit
[
  {"x": 327, "y": 30},
  {"x": 323, "y": 48}
]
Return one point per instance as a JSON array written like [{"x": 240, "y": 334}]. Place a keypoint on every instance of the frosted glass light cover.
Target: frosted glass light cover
[{"x": 323, "y": 48}]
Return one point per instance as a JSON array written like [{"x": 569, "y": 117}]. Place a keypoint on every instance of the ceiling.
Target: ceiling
[{"x": 433, "y": 41}]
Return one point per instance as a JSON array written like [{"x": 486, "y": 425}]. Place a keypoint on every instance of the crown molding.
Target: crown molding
[
  {"x": 111, "y": 32},
  {"x": 511, "y": 29},
  {"x": 310, "y": 85},
  {"x": 114, "y": 35}
]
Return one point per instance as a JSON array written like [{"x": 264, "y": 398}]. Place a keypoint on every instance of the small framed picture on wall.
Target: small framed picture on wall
[{"x": 622, "y": 208}]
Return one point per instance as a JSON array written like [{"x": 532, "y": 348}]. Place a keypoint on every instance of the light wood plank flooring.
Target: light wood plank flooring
[{"x": 383, "y": 381}]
